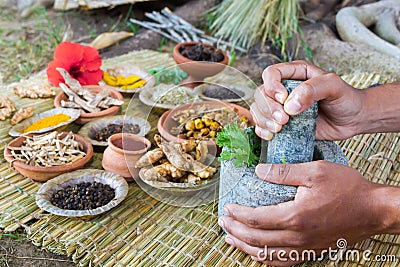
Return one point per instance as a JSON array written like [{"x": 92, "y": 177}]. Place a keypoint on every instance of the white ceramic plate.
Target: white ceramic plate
[
  {"x": 18, "y": 129},
  {"x": 88, "y": 130},
  {"x": 118, "y": 183},
  {"x": 133, "y": 70}
]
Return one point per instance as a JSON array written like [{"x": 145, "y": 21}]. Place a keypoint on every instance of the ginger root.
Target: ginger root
[
  {"x": 149, "y": 158},
  {"x": 5, "y": 113},
  {"x": 21, "y": 114},
  {"x": 5, "y": 102},
  {"x": 173, "y": 163},
  {"x": 163, "y": 172},
  {"x": 34, "y": 91}
]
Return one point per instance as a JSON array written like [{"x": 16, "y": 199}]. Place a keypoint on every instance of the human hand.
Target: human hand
[
  {"x": 332, "y": 202},
  {"x": 339, "y": 103}
]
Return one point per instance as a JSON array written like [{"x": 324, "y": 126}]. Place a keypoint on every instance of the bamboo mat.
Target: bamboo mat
[{"x": 143, "y": 231}]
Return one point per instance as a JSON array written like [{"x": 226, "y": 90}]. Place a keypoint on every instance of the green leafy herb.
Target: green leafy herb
[
  {"x": 242, "y": 145},
  {"x": 168, "y": 75},
  {"x": 283, "y": 160}
]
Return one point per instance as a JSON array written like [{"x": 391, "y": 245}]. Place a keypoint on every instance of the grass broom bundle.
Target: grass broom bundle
[{"x": 245, "y": 22}]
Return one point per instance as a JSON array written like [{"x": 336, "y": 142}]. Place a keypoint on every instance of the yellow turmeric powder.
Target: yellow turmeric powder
[
  {"x": 130, "y": 82},
  {"x": 47, "y": 122}
]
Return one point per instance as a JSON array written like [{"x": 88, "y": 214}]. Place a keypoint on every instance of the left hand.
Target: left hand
[{"x": 332, "y": 202}]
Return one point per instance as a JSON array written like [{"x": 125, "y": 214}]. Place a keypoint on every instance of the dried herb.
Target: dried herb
[
  {"x": 168, "y": 75},
  {"x": 242, "y": 145}
]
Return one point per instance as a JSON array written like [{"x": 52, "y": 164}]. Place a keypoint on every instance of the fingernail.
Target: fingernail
[
  {"x": 278, "y": 116},
  {"x": 280, "y": 97},
  {"x": 254, "y": 258},
  {"x": 221, "y": 222},
  {"x": 229, "y": 240},
  {"x": 263, "y": 170},
  {"x": 226, "y": 210},
  {"x": 292, "y": 106}
]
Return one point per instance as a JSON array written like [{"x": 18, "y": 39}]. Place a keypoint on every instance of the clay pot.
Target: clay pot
[
  {"x": 197, "y": 70},
  {"x": 42, "y": 174},
  {"x": 123, "y": 151},
  {"x": 86, "y": 117}
]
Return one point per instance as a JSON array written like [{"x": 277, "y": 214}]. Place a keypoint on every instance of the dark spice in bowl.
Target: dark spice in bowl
[
  {"x": 221, "y": 92},
  {"x": 83, "y": 196},
  {"x": 113, "y": 128},
  {"x": 200, "y": 52}
]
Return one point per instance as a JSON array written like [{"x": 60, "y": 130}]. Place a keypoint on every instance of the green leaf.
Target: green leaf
[{"x": 242, "y": 145}]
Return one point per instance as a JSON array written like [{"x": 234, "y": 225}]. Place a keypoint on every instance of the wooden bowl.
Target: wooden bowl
[
  {"x": 86, "y": 117},
  {"x": 42, "y": 174}
]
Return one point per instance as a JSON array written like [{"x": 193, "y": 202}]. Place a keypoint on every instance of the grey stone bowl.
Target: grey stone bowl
[{"x": 240, "y": 185}]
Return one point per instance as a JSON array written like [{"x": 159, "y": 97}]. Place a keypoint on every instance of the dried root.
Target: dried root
[
  {"x": 177, "y": 162},
  {"x": 35, "y": 91},
  {"x": 80, "y": 97},
  {"x": 21, "y": 114},
  {"x": 7, "y": 107}
]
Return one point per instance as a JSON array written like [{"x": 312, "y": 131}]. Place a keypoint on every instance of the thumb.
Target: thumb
[
  {"x": 326, "y": 86},
  {"x": 286, "y": 174}
]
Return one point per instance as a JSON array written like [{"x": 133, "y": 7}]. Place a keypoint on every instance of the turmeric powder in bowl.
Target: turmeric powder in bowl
[{"x": 50, "y": 121}]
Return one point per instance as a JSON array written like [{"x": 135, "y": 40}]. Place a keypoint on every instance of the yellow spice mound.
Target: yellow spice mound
[{"x": 47, "y": 122}]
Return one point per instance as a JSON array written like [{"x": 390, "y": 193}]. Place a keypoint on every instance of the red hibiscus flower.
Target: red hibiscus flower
[{"x": 82, "y": 62}]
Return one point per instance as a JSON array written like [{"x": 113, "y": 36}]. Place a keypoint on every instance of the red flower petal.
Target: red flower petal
[
  {"x": 90, "y": 77},
  {"x": 91, "y": 58},
  {"x": 53, "y": 75},
  {"x": 69, "y": 52}
]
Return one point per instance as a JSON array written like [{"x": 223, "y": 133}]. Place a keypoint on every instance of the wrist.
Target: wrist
[
  {"x": 387, "y": 207},
  {"x": 380, "y": 110}
]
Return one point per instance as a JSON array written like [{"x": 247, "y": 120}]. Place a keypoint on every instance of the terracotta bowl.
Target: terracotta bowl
[
  {"x": 42, "y": 174},
  {"x": 166, "y": 121},
  {"x": 86, "y": 117},
  {"x": 198, "y": 70}
]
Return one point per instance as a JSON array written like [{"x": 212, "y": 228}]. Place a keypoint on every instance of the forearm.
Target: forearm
[
  {"x": 381, "y": 109},
  {"x": 387, "y": 203}
]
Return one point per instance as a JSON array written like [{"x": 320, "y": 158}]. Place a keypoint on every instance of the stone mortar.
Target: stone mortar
[{"x": 295, "y": 142}]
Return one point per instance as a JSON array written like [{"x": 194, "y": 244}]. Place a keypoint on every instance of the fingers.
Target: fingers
[
  {"x": 296, "y": 70},
  {"x": 289, "y": 174},
  {"x": 268, "y": 115},
  {"x": 275, "y": 217},
  {"x": 323, "y": 87}
]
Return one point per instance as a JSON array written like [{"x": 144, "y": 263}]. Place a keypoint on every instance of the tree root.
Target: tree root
[{"x": 352, "y": 24}]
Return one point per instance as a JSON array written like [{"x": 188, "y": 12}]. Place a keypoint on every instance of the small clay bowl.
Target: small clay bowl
[
  {"x": 197, "y": 70},
  {"x": 46, "y": 191},
  {"x": 42, "y": 174},
  {"x": 120, "y": 156},
  {"x": 86, "y": 117}
]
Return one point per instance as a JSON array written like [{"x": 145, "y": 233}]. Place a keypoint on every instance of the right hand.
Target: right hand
[{"x": 339, "y": 106}]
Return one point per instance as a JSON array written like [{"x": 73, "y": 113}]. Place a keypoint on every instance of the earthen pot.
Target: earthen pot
[
  {"x": 42, "y": 174},
  {"x": 123, "y": 150},
  {"x": 86, "y": 117},
  {"x": 197, "y": 70}
]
